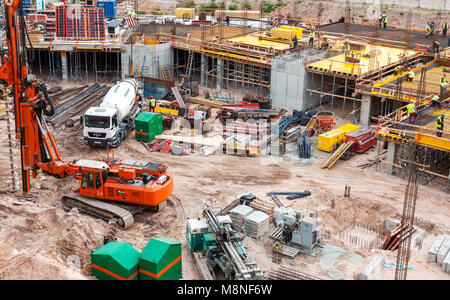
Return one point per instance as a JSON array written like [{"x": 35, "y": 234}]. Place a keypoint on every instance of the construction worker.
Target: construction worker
[
  {"x": 440, "y": 124},
  {"x": 443, "y": 83},
  {"x": 182, "y": 80},
  {"x": 140, "y": 101},
  {"x": 432, "y": 28},
  {"x": 152, "y": 105},
  {"x": 385, "y": 19},
  {"x": 411, "y": 75},
  {"x": 427, "y": 30},
  {"x": 312, "y": 28},
  {"x": 398, "y": 70},
  {"x": 412, "y": 114},
  {"x": 436, "y": 46},
  {"x": 444, "y": 29},
  {"x": 312, "y": 35},
  {"x": 133, "y": 14},
  {"x": 216, "y": 39},
  {"x": 380, "y": 20},
  {"x": 436, "y": 101},
  {"x": 295, "y": 41},
  {"x": 271, "y": 50}
]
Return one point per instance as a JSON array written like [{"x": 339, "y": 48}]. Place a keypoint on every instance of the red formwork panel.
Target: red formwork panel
[
  {"x": 363, "y": 139},
  {"x": 80, "y": 22}
]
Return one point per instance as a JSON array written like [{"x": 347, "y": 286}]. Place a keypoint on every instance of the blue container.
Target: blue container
[{"x": 109, "y": 7}]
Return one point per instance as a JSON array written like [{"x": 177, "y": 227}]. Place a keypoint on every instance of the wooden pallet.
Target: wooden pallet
[
  {"x": 264, "y": 206},
  {"x": 288, "y": 251}
]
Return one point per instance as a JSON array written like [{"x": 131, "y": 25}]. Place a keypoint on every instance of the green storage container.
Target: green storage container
[
  {"x": 148, "y": 125},
  {"x": 115, "y": 261},
  {"x": 160, "y": 260}
]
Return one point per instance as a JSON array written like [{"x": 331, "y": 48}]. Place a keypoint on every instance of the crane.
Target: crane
[{"x": 134, "y": 184}]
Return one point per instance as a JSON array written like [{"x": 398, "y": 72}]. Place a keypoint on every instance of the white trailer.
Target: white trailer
[{"x": 111, "y": 122}]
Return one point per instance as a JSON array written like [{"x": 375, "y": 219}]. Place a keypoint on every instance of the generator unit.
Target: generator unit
[{"x": 303, "y": 233}]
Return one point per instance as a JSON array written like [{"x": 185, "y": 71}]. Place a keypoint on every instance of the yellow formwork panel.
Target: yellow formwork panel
[
  {"x": 160, "y": 109},
  {"x": 295, "y": 30},
  {"x": 432, "y": 141},
  {"x": 349, "y": 127},
  {"x": 255, "y": 41},
  {"x": 184, "y": 13},
  {"x": 386, "y": 56},
  {"x": 283, "y": 34},
  {"x": 328, "y": 141}
]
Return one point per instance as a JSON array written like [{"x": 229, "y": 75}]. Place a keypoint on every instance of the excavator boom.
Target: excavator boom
[{"x": 129, "y": 182}]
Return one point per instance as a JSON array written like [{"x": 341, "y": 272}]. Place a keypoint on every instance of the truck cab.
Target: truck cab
[
  {"x": 110, "y": 123},
  {"x": 101, "y": 127}
]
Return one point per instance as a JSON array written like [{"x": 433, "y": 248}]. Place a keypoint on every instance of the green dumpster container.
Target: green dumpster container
[
  {"x": 115, "y": 261},
  {"x": 148, "y": 125},
  {"x": 160, "y": 260}
]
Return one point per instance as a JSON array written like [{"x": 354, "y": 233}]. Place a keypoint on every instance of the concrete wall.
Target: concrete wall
[
  {"x": 155, "y": 56},
  {"x": 289, "y": 80},
  {"x": 436, "y": 4}
]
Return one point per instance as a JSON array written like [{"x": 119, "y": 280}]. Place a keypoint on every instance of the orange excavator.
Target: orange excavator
[{"x": 109, "y": 189}]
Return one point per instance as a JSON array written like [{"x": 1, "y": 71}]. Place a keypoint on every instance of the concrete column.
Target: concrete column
[
  {"x": 204, "y": 68},
  {"x": 365, "y": 111},
  {"x": 65, "y": 74},
  {"x": 219, "y": 75},
  {"x": 390, "y": 157}
]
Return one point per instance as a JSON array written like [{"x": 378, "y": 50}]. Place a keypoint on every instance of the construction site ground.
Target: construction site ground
[{"x": 38, "y": 240}]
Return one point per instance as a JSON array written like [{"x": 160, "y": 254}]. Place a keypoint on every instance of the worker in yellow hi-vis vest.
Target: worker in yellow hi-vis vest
[
  {"x": 443, "y": 83},
  {"x": 152, "y": 105},
  {"x": 412, "y": 114},
  {"x": 440, "y": 124},
  {"x": 411, "y": 75},
  {"x": 182, "y": 80},
  {"x": 444, "y": 29},
  {"x": 312, "y": 35}
]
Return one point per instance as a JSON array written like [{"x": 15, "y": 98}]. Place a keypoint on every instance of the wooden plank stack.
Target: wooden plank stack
[{"x": 264, "y": 206}]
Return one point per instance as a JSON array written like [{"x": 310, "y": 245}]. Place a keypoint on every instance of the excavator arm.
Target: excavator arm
[{"x": 31, "y": 102}]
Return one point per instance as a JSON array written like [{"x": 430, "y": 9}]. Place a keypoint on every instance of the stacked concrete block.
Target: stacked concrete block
[
  {"x": 446, "y": 263},
  {"x": 256, "y": 224},
  {"x": 443, "y": 251},
  {"x": 432, "y": 253},
  {"x": 239, "y": 213},
  {"x": 372, "y": 268},
  {"x": 418, "y": 236}
]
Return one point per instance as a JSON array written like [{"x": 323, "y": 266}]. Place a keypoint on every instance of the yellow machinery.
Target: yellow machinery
[{"x": 330, "y": 140}]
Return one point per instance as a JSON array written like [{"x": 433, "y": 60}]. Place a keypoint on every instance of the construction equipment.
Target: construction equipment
[
  {"x": 110, "y": 123},
  {"x": 135, "y": 184},
  {"x": 221, "y": 245},
  {"x": 357, "y": 141},
  {"x": 297, "y": 233}
]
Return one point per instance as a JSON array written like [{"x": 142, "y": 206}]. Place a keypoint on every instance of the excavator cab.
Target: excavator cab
[{"x": 92, "y": 183}]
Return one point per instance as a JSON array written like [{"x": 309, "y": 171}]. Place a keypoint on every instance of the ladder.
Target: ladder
[
  {"x": 165, "y": 73},
  {"x": 189, "y": 63},
  {"x": 337, "y": 154},
  {"x": 177, "y": 95}
]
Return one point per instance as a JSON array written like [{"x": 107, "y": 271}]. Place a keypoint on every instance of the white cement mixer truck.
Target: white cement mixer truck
[{"x": 111, "y": 122}]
